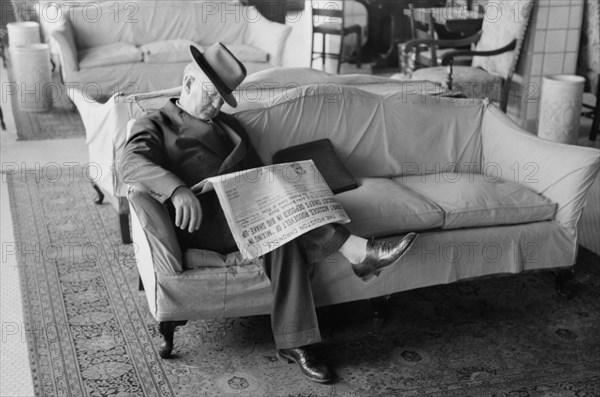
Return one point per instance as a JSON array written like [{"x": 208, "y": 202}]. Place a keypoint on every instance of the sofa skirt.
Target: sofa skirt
[{"x": 436, "y": 257}]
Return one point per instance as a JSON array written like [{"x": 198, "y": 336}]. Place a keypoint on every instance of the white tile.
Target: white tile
[
  {"x": 542, "y": 17},
  {"x": 532, "y": 110},
  {"x": 575, "y": 17},
  {"x": 573, "y": 40},
  {"x": 539, "y": 41},
  {"x": 553, "y": 63},
  {"x": 556, "y": 41},
  {"x": 537, "y": 61},
  {"x": 570, "y": 64},
  {"x": 558, "y": 18}
]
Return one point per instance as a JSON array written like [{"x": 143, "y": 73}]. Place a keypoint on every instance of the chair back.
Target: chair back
[
  {"x": 327, "y": 11},
  {"x": 420, "y": 30},
  {"x": 504, "y": 21}
]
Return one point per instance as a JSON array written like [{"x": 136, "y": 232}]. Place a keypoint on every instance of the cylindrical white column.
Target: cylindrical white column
[
  {"x": 23, "y": 33},
  {"x": 560, "y": 108},
  {"x": 32, "y": 74}
]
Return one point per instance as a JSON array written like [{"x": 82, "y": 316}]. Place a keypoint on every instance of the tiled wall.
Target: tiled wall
[{"x": 551, "y": 48}]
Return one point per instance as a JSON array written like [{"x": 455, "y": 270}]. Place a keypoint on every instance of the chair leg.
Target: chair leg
[
  {"x": 565, "y": 287},
  {"x": 359, "y": 50},
  {"x": 323, "y": 50},
  {"x": 312, "y": 50},
  {"x": 449, "y": 76},
  {"x": 380, "y": 308},
  {"x": 99, "y": 195},
  {"x": 167, "y": 330},
  {"x": 2, "y": 120},
  {"x": 339, "y": 60}
]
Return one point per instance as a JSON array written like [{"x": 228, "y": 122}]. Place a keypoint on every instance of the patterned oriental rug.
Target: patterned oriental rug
[{"x": 89, "y": 331}]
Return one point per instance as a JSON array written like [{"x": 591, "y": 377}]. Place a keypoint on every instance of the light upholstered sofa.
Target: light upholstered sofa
[
  {"x": 141, "y": 46},
  {"x": 487, "y": 198}
]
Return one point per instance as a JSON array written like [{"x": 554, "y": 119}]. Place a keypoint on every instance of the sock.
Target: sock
[{"x": 354, "y": 249}]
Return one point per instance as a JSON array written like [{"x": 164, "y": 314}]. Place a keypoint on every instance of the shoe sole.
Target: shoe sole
[
  {"x": 290, "y": 360},
  {"x": 376, "y": 274}
]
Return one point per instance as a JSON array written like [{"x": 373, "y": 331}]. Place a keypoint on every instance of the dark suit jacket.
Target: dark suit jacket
[{"x": 171, "y": 148}]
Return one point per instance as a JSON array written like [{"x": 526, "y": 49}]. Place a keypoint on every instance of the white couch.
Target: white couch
[
  {"x": 486, "y": 196},
  {"x": 141, "y": 46}
]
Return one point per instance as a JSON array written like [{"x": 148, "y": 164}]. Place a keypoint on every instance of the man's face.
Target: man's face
[{"x": 203, "y": 100}]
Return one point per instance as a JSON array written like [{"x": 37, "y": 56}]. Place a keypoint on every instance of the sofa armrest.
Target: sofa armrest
[
  {"x": 269, "y": 36},
  {"x": 105, "y": 136},
  {"x": 563, "y": 173},
  {"x": 67, "y": 49},
  {"x": 158, "y": 234}
]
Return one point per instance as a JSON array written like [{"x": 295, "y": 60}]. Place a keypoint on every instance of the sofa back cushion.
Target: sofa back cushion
[
  {"x": 100, "y": 23},
  {"x": 204, "y": 22},
  {"x": 140, "y": 22},
  {"x": 377, "y": 135}
]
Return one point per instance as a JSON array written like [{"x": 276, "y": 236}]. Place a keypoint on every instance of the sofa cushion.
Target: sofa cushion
[
  {"x": 248, "y": 53},
  {"x": 266, "y": 34},
  {"x": 164, "y": 51},
  {"x": 380, "y": 207},
  {"x": 109, "y": 54},
  {"x": 472, "y": 200}
]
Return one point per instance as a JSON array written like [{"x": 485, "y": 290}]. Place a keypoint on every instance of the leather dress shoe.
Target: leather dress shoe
[
  {"x": 310, "y": 365},
  {"x": 381, "y": 254}
]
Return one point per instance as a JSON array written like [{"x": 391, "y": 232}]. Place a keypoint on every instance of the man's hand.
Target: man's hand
[{"x": 188, "y": 211}]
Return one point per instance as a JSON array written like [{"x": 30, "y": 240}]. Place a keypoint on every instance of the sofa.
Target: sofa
[
  {"x": 486, "y": 197},
  {"x": 141, "y": 46},
  {"x": 105, "y": 122}
]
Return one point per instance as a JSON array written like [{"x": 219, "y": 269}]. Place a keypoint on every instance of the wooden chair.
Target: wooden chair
[
  {"x": 424, "y": 56},
  {"x": 430, "y": 55},
  {"x": 328, "y": 19},
  {"x": 496, "y": 54}
]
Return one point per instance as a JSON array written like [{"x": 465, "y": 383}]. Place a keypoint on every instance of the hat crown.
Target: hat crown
[
  {"x": 226, "y": 65},
  {"x": 222, "y": 68}
]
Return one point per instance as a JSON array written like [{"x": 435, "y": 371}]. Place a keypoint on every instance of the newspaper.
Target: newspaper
[{"x": 268, "y": 206}]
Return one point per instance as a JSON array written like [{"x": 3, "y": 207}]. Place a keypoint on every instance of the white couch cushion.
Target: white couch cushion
[
  {"x": 380, "y": 207},
  {"x": 248, "y": 53},
  {"x": 109, "y": 54},
  {"x": 165, "y": 51},
  {"x": 269, "y": 35},
  {"x": 374, "y": 134},
  {"x": 474, "y": 200}
]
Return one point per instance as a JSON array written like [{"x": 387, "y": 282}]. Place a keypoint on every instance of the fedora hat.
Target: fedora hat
[{"x": 222, "y": 68}]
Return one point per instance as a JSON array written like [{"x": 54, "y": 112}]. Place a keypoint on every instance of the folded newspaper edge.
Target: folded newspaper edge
[{"x": 269, "y": 206}]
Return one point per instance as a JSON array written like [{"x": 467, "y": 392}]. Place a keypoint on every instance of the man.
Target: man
[{"x": 190, "y": 140}]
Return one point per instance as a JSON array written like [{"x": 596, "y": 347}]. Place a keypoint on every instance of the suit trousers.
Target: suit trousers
[{"x": 293, "y": 316}]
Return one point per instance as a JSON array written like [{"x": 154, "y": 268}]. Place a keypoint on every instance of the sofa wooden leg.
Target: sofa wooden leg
[
  {"x": 99, "y": 195},
  {"x": 124, "y": 220},
  {"x": 565, "y": 285},
  {"x": 167, "y": 330},
  {"x": 380, "y": 306},
  {"x": 124, "y": 225}
]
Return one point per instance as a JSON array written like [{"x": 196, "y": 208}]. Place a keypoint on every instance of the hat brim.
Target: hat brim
[{"x": 213, "y": 76}]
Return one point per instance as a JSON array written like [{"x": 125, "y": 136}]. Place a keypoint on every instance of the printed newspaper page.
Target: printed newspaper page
[{"x": 268, "y": 206}]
